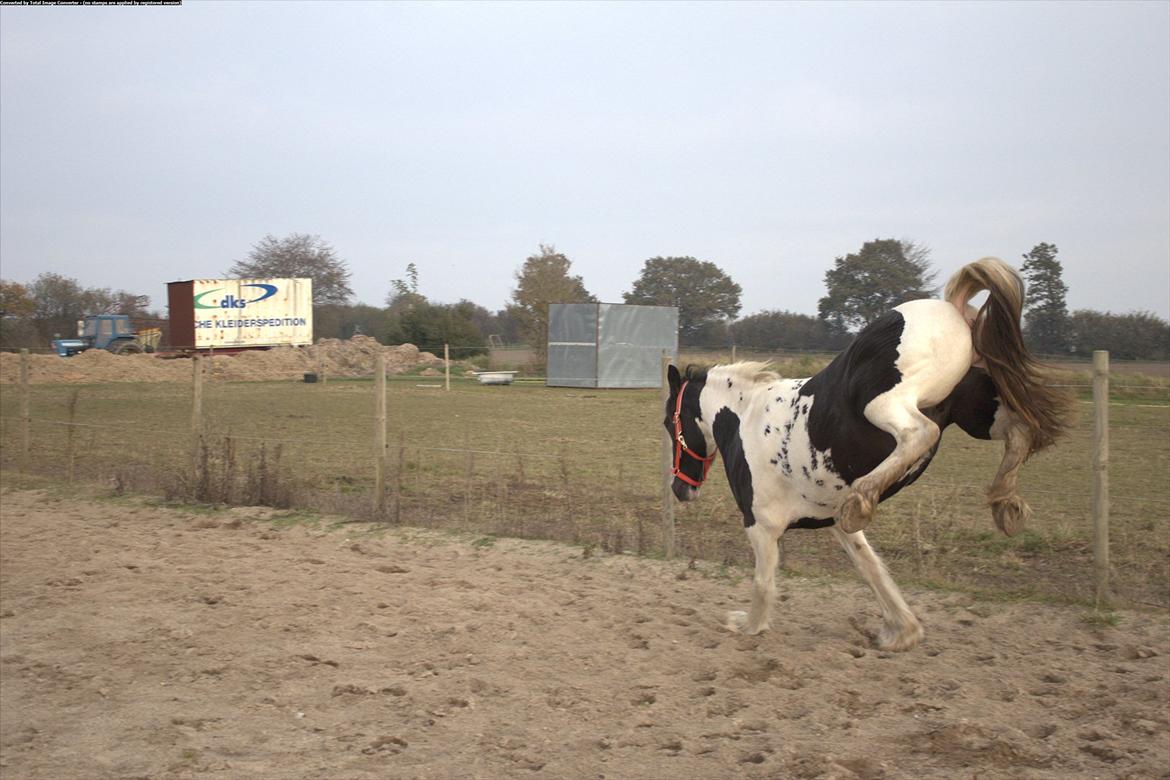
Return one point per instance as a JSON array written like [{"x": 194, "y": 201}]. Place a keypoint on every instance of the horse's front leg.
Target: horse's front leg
[
  {"x": 914, "y": 434},
  {"x": 900, "y": 628},
  {"x": 757, "y": 618}
]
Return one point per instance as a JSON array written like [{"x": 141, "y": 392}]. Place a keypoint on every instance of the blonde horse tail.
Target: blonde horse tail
[{"x": 1024, "y": 384}]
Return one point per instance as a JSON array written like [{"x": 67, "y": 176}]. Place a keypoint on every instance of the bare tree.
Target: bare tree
[{"x": 298, "y": 255}]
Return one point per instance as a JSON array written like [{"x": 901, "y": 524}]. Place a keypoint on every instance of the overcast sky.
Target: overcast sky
[{"x": 144, "y": 145}]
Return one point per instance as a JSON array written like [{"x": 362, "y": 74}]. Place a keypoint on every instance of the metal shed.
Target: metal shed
[{"x": 609, "y": 344}]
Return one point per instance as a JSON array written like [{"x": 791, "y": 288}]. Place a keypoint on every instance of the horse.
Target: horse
[{"x": 824, "y": 451}]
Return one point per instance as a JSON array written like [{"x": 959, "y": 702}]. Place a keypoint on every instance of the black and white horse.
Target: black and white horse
[{"x": 824, "y": 451}]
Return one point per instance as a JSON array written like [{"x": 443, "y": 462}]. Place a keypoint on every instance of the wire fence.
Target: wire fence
[{"x": 584, "y": 466}]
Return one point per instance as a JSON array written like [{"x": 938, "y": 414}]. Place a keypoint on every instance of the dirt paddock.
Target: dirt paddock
[{"x": 138, "y": 641}]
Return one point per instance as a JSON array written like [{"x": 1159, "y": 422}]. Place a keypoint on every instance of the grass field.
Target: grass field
[{"x": 584, "y": 466}]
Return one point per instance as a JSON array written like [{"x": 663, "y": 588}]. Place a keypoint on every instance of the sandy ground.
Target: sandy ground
[{"x": 145, "y": 642}]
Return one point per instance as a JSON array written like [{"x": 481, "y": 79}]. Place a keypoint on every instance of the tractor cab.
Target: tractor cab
[{"x": 111, "y": 332}]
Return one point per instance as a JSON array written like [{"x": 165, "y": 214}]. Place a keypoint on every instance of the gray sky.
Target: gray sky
[{"x": 143, "y": 145}]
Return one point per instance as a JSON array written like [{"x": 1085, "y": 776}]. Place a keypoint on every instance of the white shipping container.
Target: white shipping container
[{"x": 252, "y": 312}]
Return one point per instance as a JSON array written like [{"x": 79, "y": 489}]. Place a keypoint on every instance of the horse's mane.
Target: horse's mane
[{"x": 753, "y": 371}]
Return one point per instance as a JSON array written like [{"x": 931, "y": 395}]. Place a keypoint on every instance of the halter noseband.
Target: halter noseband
[{"x": 680, "y": 446}]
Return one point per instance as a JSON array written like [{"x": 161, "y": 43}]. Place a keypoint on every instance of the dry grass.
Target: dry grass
[{"x": 583, "y": 466}]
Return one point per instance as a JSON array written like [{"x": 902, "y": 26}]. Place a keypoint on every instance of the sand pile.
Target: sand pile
[{"x": 337, "y": 358}]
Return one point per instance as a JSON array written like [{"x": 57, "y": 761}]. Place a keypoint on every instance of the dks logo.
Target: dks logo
[{"x": 230, "y": 301}]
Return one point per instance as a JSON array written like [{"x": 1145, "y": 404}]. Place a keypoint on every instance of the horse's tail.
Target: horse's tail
[{"x": 1023, "y": 382}]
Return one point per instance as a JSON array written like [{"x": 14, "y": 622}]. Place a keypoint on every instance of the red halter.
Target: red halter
[{"x": 681, "y": 446}]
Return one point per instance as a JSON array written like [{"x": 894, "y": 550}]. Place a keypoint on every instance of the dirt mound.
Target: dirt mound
[{"x": 334, "y": 357}]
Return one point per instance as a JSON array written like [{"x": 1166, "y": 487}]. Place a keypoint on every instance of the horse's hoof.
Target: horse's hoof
[
  {"x": 736, "y": 621},
  {"x": 855, "y": 513},
  {"x": 894, "y": 637},
  {"x": 899, "y": 638},
  {"x": 1011, "y": 514}
]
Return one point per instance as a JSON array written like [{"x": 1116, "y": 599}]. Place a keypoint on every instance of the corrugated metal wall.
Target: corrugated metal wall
[{"x": 609, "y": 344}]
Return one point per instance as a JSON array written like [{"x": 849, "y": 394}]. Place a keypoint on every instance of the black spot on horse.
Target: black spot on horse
[
  {"x": 768, "y": 429},
  {"x": 972, "y": 404},
  {"x": 865, "y": 370},
  {"x": 725, "y": 429},
  {"x": 811, "y": 522}
]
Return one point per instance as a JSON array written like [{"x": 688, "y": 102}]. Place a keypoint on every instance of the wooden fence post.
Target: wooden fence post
[
  {"x": 470, "y": 476},
  {"x": 447, "y": 366},
  {"x": 398, "y": 476},
  {"x": 25, "y": 419},
  {"x": 667, "y": 461},
  {"x": 70, "y": 435},
  {"x": 1101, "y": 477},
  {"x": 380, "y": 436},
  {"x": 196, "y": 423}
]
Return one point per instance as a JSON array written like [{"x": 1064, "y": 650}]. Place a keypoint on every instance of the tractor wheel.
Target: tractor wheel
[{"x": 126, "y": 348}]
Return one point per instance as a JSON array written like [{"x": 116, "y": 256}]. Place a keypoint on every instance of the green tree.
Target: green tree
[
  {"x": 404, "y": 293},
  {"x": 431, "y": 325},
  {"x": 16, "y": 317},
  {"x": 706, "y": 297},
  {"x": 543, "y": 279},
  {"x": 1134, "y": 336},
  {"x": 295, "y": 256},
  {"x": 344, "y": 322},
  {"x": 363, "y": 320},
  {"x": 410, "y": 317},
  {"x": 863, "y": 286},
  {"x": 15, "y": 300},
  {"x": 769, "y": 330},
  {"x": 1046, "y": 325},
  {"x": 58, "y": 303}
]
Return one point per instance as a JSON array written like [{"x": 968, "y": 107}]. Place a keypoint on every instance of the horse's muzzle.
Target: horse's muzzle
[{"x": 683, "y": 491}]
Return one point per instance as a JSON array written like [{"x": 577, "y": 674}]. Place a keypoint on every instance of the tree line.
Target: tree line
[{"x": 859, "y": 287}]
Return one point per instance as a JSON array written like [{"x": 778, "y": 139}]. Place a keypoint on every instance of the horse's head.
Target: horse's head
[{"x": 693, "y": 451}]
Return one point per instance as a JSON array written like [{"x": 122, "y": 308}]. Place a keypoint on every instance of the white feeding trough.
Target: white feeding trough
[{"x": 495, "y": 377}]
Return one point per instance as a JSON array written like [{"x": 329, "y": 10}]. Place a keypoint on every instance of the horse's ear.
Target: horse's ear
[{"x": 673, "y": 378}]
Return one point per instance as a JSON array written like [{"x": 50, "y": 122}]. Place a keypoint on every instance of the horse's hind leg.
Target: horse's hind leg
[
  {"x": 914, "y": 435},
  {"x": 1010, "y": 511},
  {"x": 757, "y": 618},
  {"x": 900, "y": 628}
]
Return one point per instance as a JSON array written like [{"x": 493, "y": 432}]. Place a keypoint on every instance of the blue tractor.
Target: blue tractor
[{"x": 111, "y": 332}]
